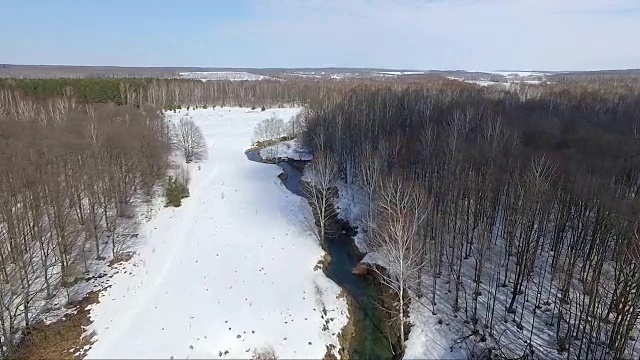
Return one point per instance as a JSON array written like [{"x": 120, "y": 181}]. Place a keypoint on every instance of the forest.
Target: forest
[
  {"x": 515, "y": 212},
  {"x": 71, "y": 178},
  {"x": 80, "y": 160},
  {"x": 170, "y": 93}
]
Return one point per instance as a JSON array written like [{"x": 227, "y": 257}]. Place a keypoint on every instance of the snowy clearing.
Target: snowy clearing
[
  {"x": 229, "y": 271},
  {"x": 515, "y": 74},
  {"x": 478, "y": 82},
  {"x": 396, "y": 73},
  {"x": 222, "y": 75},
  {"x": 509, "y": 81}
]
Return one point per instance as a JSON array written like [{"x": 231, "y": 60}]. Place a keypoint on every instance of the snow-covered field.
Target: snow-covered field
[
  {"x": 229, "y": 271},
  {"x": 516, "y": 74},
  {"x": 354, "y": 75},
  {"x": 507, "y": 83},
  {"x": 396, "y": 73},
  {"x": 222, "y": 75}
]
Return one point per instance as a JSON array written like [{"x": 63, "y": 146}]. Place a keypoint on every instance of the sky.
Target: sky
[{"x": 398, "y": 34}]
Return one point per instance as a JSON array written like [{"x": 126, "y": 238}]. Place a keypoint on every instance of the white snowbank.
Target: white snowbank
[
  {"x": 352, "y": 205},
  {"x": 229, "y": 271},
  {"x": 292, "y": 149}
]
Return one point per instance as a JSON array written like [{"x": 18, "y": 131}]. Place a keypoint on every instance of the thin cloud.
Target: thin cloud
[
  {"x": 407, "y": 34},
  {"x": 490, "y": 34}
]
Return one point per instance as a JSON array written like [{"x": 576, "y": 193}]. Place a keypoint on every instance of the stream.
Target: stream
[{"x": 369, "y": 336}]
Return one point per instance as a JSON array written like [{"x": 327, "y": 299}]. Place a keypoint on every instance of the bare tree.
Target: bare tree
[
  {"x": 189, "y": 140},
  {"x": 320, "y": 190},
  {"x": 62, "y": 192},
  {"x": 295, "y": 125},
  {"x": 369, "y": 175},
  {"x": 395, "y": 237},
  {"x": 269, "y": 130}
]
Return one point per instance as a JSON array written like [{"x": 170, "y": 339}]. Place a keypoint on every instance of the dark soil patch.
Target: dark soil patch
[
  {"x": 122, "y": 257},
  {"x": 62, "y": 339}
]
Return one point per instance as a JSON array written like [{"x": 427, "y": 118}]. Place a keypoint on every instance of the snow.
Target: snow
[
  {"x": 307, "y": 75},
  {"x": 352, "y": 205},
  {"x": 440, "y": 335},
  {"x": 357, "y": 74},
  {"x": 478, "y": 82},
  {"x": 512, "y": 74},
  {"x": 396, "y": 73},
  {"x": 230, "y": 270},
  {"x": 222, "y": 75},
  {"x": 292, "y": 149},
  {"x": 509, "y": 81},
  {"x": 427, "y": 339}
]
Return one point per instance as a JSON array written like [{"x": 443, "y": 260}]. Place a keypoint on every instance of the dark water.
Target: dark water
[{"x": 370, "y": 340}]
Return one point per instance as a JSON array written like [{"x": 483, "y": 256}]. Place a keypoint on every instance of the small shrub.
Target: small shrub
[
  {"x": 263, "y": 108},
  {"x": 177, "y": 188}
]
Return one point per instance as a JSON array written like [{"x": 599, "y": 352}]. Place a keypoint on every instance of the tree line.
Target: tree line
[
  {"x": 71, "y": 178},
  {"x": 515, "y": 212},
  {"x": 172, "y": 93}
]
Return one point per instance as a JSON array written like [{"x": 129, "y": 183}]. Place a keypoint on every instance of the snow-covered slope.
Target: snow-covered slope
[{"x": 229, "y": 271}]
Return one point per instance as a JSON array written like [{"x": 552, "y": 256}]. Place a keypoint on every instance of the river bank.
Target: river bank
[
  {"x": 227, "y": 273},
  {"x": 370, "y": 331}
]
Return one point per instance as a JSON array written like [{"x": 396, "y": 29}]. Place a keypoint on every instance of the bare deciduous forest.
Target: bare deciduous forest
[
  {"x": 513, "y": 211},
  {"x": 523, "y": 207},
  {"x": 71, "y": 177}
]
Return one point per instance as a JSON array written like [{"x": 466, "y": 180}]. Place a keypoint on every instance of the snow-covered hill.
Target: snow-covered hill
[{"x": 229, "y": 271}]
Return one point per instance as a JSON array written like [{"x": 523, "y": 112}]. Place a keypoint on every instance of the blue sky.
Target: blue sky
[{"x": 409, "y": 34}]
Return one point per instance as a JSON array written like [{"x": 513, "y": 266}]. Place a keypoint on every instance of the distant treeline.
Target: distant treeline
[
  {"x": 85, "y": 91},
  {"x": 173, "y": 93}
]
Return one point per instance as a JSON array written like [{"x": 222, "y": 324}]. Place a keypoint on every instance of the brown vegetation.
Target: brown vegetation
[
  {"x": 61, "y": 339},
  {"x": 70, "y": 177}
]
